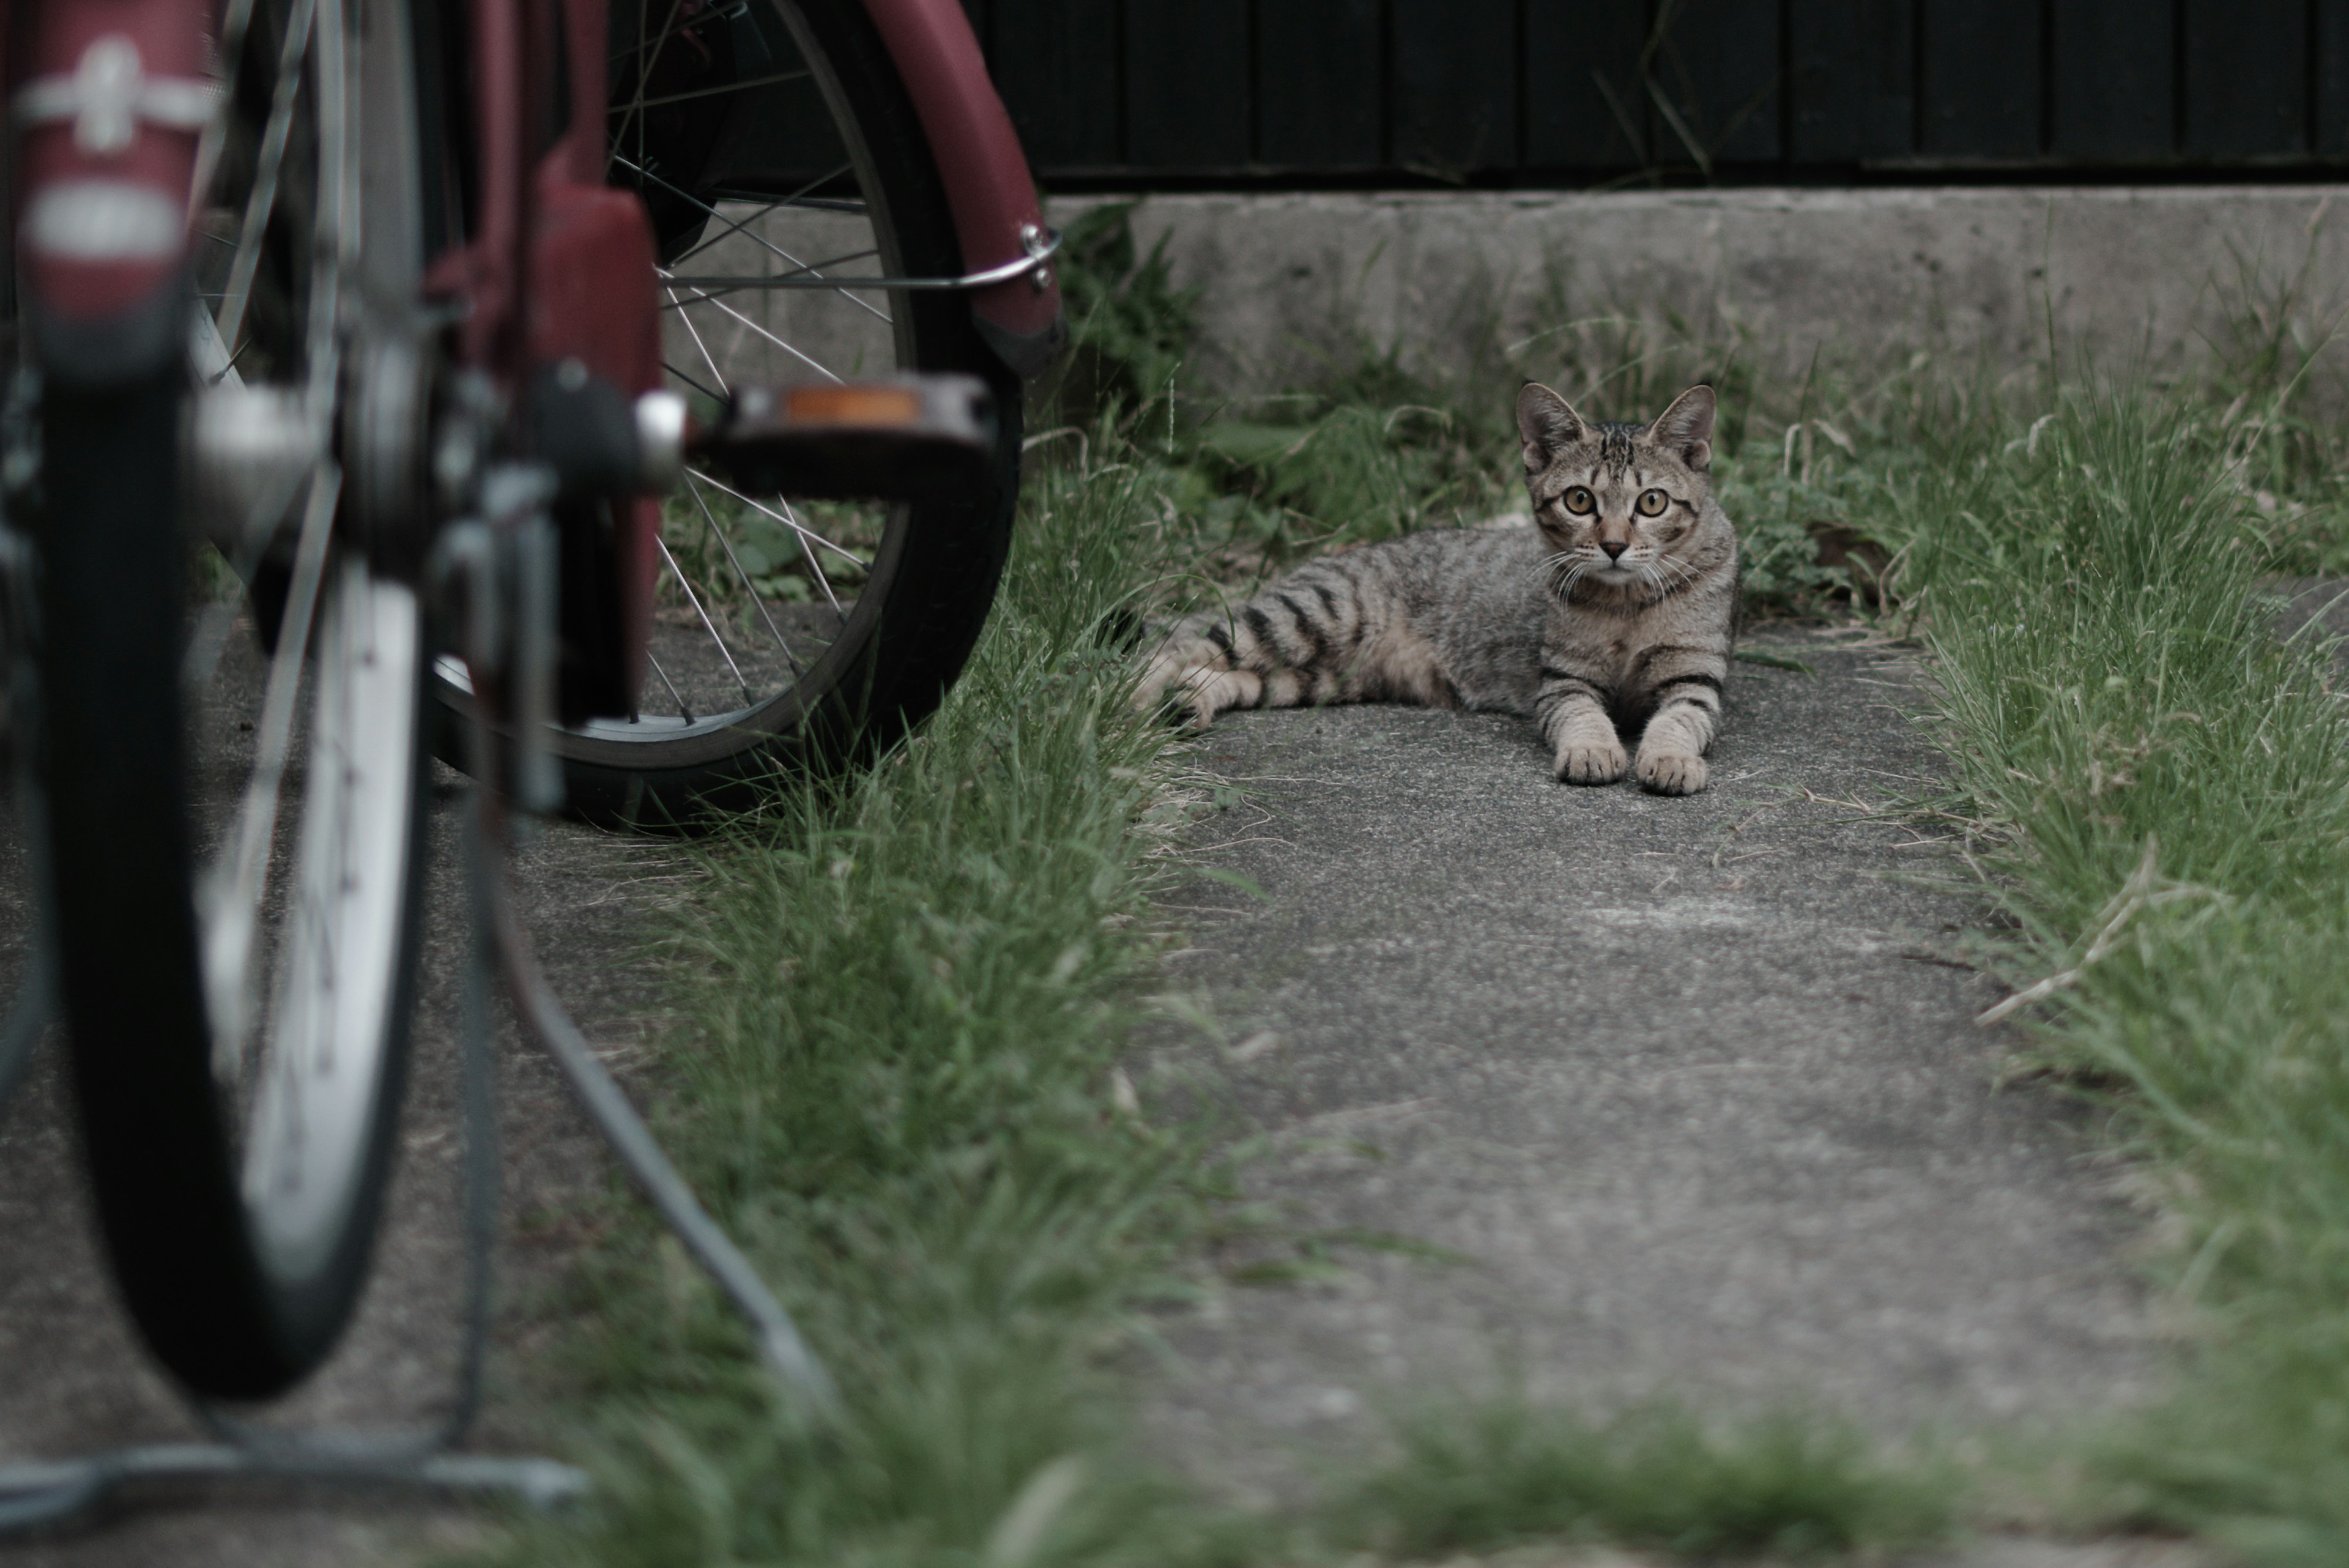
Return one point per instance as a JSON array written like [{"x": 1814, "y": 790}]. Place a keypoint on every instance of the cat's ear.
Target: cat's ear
[
  {"x": 1685, "y": 430},
  {"x": 1546, "y": 424}
]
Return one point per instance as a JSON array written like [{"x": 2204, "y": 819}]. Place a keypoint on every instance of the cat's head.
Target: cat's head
[{"x": 1618, "y": 502}]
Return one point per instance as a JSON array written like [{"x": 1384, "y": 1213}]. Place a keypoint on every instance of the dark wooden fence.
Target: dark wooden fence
[{"x": 1303, "y": 93}]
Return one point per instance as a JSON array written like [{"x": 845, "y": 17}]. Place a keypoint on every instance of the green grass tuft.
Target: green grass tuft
[
  {"x": 1492, "y": 1475},
  {"x": 2158, "y": 788},
  {"x": 901, "y": 999}
]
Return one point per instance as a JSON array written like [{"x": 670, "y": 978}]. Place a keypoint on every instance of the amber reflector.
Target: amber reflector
[{"x": 853, "y": 406}]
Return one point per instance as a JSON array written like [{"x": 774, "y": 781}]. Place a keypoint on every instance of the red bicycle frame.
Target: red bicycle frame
[
  {"x": 588, "y": 271},
  {"x": 112, "y": 101}
]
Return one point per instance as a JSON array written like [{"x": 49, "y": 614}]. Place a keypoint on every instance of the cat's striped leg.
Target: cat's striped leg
[
  {"x": 1679, "y": 733},
  {"x": 1572, "y": 713}
]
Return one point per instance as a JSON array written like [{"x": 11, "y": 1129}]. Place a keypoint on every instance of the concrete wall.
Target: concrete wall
[{"x": 1446, "y": 279}]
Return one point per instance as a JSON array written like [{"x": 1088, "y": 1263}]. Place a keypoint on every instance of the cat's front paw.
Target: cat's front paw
[
  {"x": 1672, "y": 773},
  {"x": 1588, "y": 764}
]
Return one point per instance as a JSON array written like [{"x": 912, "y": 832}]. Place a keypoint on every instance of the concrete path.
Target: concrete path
[{"x": 1691, "y": 1086}]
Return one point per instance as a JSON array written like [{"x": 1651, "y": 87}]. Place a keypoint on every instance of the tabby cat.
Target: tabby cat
[{"x": 1616, "y": 607}]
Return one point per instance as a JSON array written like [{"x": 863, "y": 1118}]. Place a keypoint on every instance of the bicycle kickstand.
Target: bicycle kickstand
[{"x": 40, "y": 1494}]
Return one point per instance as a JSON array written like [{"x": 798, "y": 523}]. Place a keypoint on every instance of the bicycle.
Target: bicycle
[{"x": 423, "y": 405}]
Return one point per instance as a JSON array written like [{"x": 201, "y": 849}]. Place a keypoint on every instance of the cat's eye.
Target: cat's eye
[
  {"x": 1580, "y": 502},
  {"x": 1652, "y": 502}
]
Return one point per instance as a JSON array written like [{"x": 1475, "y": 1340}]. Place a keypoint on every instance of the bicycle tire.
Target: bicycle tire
[
  {"x": 936, "y": 571},
  {"x": 240, "y": 1287}
]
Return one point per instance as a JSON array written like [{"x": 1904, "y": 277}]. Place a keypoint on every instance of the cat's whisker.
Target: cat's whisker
[{"x": 1549, "y": 571}]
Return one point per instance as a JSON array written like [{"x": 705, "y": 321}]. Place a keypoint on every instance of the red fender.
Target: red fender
[
  {"x": 101, "y": 194},
  {"x": 987, "y": 179}
]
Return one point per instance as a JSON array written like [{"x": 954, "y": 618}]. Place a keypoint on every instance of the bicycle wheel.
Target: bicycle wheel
[
  {"x": 774, "y": 141},
  {"x": 238, "y": 1038}
]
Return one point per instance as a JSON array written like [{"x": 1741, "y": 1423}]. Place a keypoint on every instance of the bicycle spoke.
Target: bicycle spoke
[
  {"x": 816, "y": 568},
  {"x": 646, "y": 59},
  {"x": 219, "y": 618},
  {"x": 759, "y": 240},
  {"x": 715, "y": 373},
  {"x": 724, "y": 87},
  {"x": 232, "y": 892},
  {"x": 737, "y": 226},
  {"x": 784, "y": 517},
  {"x": 713, "y": 287},
  {"x": 262, "y": 199},
  {"x": 214, "y": 362},
  {"x": 234, "y": 24},
  {"x": 714, "y": 396},
  {"x": 799, "y": 198},
  {"x": 718, "y": 533},
  {"x": 708, "y": 624},
  {"x": 796, "y": 353},
  {"x": 684, "y": 710},
  {"x": 333, "y": 229}
]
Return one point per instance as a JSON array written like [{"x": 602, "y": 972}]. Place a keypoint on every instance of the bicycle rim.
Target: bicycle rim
[{"x": 239, "y": 1111}]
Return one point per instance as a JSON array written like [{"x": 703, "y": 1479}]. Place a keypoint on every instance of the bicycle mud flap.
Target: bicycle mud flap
[{"x": 902, "y": 438}]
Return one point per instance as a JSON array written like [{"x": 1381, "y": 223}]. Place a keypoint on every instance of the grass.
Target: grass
[
  {"x": 902, "y": 995},
  {"x": 1499, "y": 1473},
  {"x": 2160, "y": 788}
]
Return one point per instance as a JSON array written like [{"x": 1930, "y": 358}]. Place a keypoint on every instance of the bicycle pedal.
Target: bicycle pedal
[{"x": 906, "y": 438}]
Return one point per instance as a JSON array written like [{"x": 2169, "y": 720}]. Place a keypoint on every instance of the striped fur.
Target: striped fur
[{"x": 1611, "y": 612}]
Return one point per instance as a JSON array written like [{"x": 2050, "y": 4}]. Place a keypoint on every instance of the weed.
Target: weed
[
  {"x": 1131, "y": 328},
  {"x": 1498, "y": 1473},
  {"x": 2157, "y": 786},
  {"x": 901, "y": 995}
]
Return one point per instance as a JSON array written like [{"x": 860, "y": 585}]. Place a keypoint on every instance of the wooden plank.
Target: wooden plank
[
  {"x": 1718, "y": 68},
  {"x": 2332, "y": 73},
  {"x": 1319, "y": 101},
  {"x": 1571, "y": 121},
  {"x": 1981, "y": 78},
  {"x": 2111, "y": 89},
  {"x": 1854, "y": 70},
  {"x": 1186, "y": 85},
  {"x": 2246, "y": 79},
  {"x": 1056, "y": 64},
  {"x": 1454, "y": 110}
]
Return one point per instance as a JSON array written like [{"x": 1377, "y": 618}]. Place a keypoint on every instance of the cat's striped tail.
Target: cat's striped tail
[
  {"x": 1199, "y": 667},
  {"x": 1300, "y": 641}
]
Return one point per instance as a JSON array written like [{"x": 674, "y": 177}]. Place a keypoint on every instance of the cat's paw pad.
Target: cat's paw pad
[
  {"x": 1672, "y": 773},
  {"x": 1591, "y": 764}
]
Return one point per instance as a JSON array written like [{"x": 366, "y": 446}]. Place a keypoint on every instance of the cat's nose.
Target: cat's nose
[{"x": 1614, "y": 549}]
